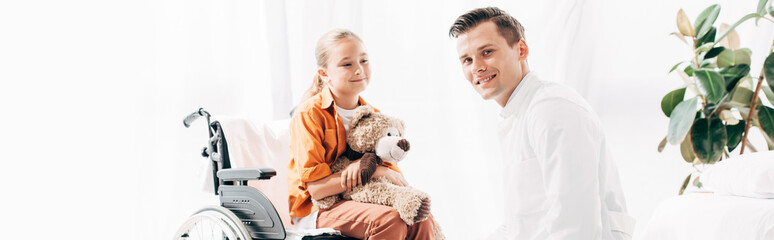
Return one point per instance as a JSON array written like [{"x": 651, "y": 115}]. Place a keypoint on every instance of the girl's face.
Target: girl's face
[{"x": 348, "y": 71}]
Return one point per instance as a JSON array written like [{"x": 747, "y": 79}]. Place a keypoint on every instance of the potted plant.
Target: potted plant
[{"x": 711, "y": 114}]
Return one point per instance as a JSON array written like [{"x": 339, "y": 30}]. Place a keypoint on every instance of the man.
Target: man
[{"x": 560, "y": 180}]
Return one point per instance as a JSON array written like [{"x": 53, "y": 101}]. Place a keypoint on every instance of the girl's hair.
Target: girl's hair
[{"x": 322, "y": 54}]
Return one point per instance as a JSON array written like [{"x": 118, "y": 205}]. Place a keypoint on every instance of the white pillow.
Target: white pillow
[{"x": 748, "y": 175}]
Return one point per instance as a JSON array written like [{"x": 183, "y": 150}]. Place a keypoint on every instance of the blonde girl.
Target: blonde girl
[{"x": 317, "y": 137}]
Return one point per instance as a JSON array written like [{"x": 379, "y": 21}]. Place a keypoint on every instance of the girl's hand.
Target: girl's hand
[
  {"x": 350, "y": 176},
  {"x": 392, "y": 176}
]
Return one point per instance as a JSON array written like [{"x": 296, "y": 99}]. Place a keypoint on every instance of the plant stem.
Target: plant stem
[
  {"x": 745, "y": 18},
  {"x": 752, "y": 104},
  {"x": 748, "y": 120}
]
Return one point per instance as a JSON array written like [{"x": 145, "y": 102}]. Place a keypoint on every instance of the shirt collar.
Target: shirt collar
[
  {"x": 327, "y": 98},
  {"x": 515, "y": 98}
]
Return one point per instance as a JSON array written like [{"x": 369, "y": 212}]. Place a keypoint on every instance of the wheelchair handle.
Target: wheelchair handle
[{"x": 195, "y": 115}]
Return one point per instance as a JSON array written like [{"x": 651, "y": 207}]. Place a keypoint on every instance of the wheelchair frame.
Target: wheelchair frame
[{"x": 244, "y": 212}]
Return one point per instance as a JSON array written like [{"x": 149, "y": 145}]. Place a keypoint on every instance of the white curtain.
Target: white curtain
[{"x": 95, "y": 92}]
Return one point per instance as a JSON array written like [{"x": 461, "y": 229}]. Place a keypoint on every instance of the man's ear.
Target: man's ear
[{"x": 523, "y": 49}]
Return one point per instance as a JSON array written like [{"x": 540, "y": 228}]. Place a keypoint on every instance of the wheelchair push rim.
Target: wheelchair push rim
[{"x": 213, "y": 223}]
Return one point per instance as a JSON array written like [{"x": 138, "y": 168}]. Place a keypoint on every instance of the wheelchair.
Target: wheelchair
[{"x": 243, "y": 213}]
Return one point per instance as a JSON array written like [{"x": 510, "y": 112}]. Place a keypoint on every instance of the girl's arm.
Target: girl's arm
[
  {"x": 391, "y": 175},
  {"x": 327, "y": 186},
  {"x": 347, "y": 178},
  {"x": 332, "y": 184}
]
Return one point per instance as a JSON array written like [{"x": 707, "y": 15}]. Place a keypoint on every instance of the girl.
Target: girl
[{"x": 317, "y": 137}]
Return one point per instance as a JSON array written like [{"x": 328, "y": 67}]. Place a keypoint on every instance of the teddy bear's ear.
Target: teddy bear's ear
[
  {"x": 361, "y": 113},
  {"x": 400, "y": 126}
]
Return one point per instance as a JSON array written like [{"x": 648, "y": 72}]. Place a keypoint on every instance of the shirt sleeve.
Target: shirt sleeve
[
  {"x": 306, "y": 138},
  {"x": 566, "y": 139}
]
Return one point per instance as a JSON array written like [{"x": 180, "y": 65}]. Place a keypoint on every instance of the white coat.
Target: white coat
[{"x": 560, "y": 181}]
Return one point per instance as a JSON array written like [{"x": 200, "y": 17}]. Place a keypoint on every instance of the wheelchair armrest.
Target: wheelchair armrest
[{"x": 242, "y": 174}]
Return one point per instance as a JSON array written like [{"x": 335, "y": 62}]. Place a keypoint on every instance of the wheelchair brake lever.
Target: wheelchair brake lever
[{"x": 204, "y": 152}]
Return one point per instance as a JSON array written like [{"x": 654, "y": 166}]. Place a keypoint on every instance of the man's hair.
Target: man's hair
[{"x": 507, "y": 26}]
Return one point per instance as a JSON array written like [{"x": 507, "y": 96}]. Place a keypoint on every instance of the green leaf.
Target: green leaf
[
  {"x": 762, "y": 7},
  {"x": 771, "y": 11},
  {"x": 675, "y": 66},
  {"x": 689, "y": 70},
  {"x": 685, "y": 184},
  {"x": 742, "y": 96},
  {"x": 703, "y": 45},
  {"x": 768, "y": 70},
  {"x": 686, "y": 150},
  {"x": 684, "y": 24},
  {"x": 714, "y": 52},
  {"x": 730, "y": 57},
  {"x": 662, "y": 144},
  {"x": 671, "y": 100},
  {"x": 731, "y": 39},
  {"x": 731, "y": 29},
  {"x": 708, "y": 137},
  {"x": 766, "y": 120},
  {"x": 769, "y": 94},
  {"x": 681, "y": 37},
  {"x": 680, "y": 120},
  {"x": 731, "y": 75},
  {"x": 708, "y": 65},
  {"x": 735, "y": 133},
  {"x": 711, "y": 85},
  {"x": 707, "y": 41},
  {"x": 705, "y": 20}
]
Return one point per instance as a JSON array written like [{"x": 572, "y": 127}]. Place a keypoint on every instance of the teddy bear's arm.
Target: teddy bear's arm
[{"x": 368, "y": 164}]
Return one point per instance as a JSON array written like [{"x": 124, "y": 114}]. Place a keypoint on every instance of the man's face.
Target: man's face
[{"x": 490, "y": 64}]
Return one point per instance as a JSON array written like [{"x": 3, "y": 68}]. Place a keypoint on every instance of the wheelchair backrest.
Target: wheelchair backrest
[
  {"x": 253, "y": 208},
  {"x": 258, "y": 145}
]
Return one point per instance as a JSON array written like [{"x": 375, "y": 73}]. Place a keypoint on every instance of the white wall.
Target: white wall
[{"x": 94, "y": 93}]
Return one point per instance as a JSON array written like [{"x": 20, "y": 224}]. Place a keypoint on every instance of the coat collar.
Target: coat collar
[
  {"x": 517, "y": 101},
  {"x": 327, "y": 98}
]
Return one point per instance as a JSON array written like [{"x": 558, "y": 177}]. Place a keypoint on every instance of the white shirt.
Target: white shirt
[
  {"x": 345, "y": 115},
  {"x": 560, "y": 181}
]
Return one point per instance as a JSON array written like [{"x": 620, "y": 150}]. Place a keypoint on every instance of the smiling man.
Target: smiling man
[{"x": 560, "y": 180}]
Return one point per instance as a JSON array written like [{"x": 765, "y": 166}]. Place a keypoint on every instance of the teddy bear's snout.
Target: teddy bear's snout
[
  {"x": 392, "y": 149},
  {"x": 404, "y": 144}
]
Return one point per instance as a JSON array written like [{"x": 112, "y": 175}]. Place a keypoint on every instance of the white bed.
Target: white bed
[{"x": 712, "y": 216}]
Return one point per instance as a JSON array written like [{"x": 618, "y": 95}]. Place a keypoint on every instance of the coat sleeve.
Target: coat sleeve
[
  {"x": 306, "y": 147},
  {"x": 567, "y": 139}
]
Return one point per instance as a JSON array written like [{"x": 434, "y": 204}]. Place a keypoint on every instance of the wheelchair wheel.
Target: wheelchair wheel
[{"x": 213, "y": 223}]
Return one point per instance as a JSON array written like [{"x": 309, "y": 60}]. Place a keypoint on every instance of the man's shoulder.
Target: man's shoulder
[
  {"x": 553, "y": 102},
  {"x": 554, "y": 90}
]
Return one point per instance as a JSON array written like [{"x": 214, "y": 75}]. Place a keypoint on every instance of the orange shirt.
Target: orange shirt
[{"x": 317, "y": 138}]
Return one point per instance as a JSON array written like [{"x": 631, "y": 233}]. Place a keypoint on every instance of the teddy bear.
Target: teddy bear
[{"x": 373, "y": 138}]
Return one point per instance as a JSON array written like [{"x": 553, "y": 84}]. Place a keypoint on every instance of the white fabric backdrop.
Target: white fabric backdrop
[{"x": 94, "y": 93}]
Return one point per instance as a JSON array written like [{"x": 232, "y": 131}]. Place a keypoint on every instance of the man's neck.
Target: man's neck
[{"x": 504, "y": 100}]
